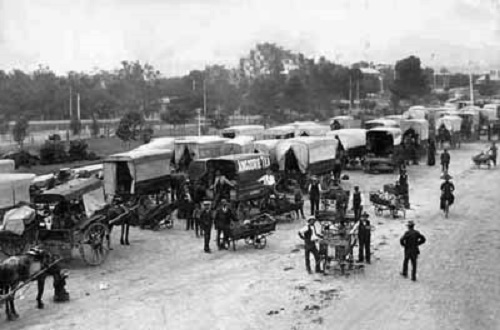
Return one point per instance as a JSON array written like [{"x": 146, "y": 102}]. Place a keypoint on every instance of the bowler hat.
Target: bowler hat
[{"x": 410, "y": 223}]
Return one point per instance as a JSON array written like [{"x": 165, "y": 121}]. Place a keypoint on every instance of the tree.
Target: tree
[
  {"x": 411, "y": 81},
  {"x": 20, "y": 131},
  {"x": 130, "y": 126}
]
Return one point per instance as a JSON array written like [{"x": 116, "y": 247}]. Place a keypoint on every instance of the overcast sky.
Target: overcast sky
[{"x": 176, "y": 36}]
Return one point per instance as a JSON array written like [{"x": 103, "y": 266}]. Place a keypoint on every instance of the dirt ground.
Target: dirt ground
[{"x": 165, "y": 281}]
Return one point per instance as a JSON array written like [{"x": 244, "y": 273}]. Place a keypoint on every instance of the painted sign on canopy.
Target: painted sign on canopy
[{"x": 252, "y": 164}]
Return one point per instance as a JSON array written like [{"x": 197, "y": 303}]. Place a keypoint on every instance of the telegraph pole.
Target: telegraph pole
[{"x": 70, "y": 102}]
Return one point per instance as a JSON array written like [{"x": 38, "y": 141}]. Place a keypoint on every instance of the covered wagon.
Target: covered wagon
[
  {"x": 383, "y": 149},
  {"x": 280, "y": 132},
  {"x": 304, "y": 156},
  {"x": 256, "y": 131},
  {"x": 415, "y": 138},
  {"x": 310, "y": 129},
  {"x": 163, "y": 143},
  {"x": 7, "y": 166},
  {"x": 396, "y": 118},
  {"x": 189, "y": 149},
  {"x": 137, "y": 172},
  {"x": 241, "y": 144},
  {"x": 268, "y": 147},
  {"x": 341, "y": 122},
  {"x": 354, "y": 142},
  {"x": 448, "y": 130}
]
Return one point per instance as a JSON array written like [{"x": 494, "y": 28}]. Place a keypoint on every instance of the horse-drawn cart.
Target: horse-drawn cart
[
  {"x": 388, "y": 200},
  {"x": 70, "y": 220},
  {"x": 18, "y": 228},
  {"x": 383, "y": 149}
]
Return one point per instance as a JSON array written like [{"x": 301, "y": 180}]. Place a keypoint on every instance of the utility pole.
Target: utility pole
[
  {"x": 357, "y": 93},
  {"x": 70, "y": 102},
  {"x": 78, "y": 105},
  {"x": 350, "y": 94}
]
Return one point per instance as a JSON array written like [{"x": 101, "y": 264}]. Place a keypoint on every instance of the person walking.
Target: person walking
[
  {"x": 314, "y": 195},
  {"x": 196, "y": 217},
  {"x": 445, "y": 161},
  {"x": 431, "y": 153},
  {"x": 404, "y": 187},
  {"x": 364, "y": 239},
  {"x": 206, "y": 224},
  {"x": 299, "y": 203},
  {"x": 493, "y": 153},
  {"x": 223, "y": 218},
  {"x": 308, "y": 234},
  {"x": 357, "y": 202},
  {"x": 411, "y": 241}
]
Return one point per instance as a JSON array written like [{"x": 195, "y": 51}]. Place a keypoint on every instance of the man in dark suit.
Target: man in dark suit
[
  {"x": 223, "y": 218},
  {"x": 411, "y": 240},
  {"x": 206, "y": 224}
]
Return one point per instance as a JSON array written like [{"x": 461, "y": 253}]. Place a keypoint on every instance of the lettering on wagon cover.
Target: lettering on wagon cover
[{"x": 253, "y": 164}]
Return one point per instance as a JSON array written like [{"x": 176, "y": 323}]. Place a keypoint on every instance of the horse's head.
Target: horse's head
[{"x": 44, "y": 257}]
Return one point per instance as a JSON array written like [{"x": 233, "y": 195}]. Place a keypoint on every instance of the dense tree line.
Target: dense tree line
[{"x": 270, "y": 81}]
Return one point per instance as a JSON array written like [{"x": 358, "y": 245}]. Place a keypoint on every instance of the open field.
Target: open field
[{"x": 165, "y": 281}]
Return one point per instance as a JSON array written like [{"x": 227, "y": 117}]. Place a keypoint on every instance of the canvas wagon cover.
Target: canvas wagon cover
[
  {"x": 307, "y": 150},
  {"x": 342, "y": 120},
  {"x": 16, "y": 219},
  {"x": 241, "y": 144},
  {"x": 381, "y": 123},
  {"x": 14, "y": 188},
  {"x": 238, "y": 130},
  {"x": 310, "y": 128},
  {"x": 420, "y": 126},
  {"x": 452, "y": 123},
  {"x": 201, "y": 146},
  {"x": 350, "y": 137},
  {"x": 7, "y": 166},
  {"x": 490, "y": 111},
  {"x": 267, "y": 147},
  {"x": 273, "y": 132},
  {"x": 143, "y": 165},
  {"x": 163, "y": 143}
]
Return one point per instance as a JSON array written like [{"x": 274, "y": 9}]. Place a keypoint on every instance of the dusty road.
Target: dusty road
[{"x": 165, "y": 281}]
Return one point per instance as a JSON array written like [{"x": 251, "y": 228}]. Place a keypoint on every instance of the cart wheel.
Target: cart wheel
[
  {"x": 249, "y": 240},
  {"x": 94, "y": 247},
  {"x": 260, "y": 242},
  {"x": 378, "y": 211}
]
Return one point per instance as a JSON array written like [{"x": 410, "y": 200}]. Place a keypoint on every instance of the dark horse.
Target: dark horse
[
  {"x": 18, "y": 269},
  {"x": 123, "y": 215}
]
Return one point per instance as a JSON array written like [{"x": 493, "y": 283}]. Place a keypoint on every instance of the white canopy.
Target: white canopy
[
  {"x": 307, "y": 150},
  {"x": 14, "y": 188},
  {"x": 395, "y": 132},
  {"x": 7, "y": 166},
  {"x": 159, "y": 143},
  {"x": 278, "y": 131},
  {"x": 420, "y": 126},
  {"x": 267, "y": 147},
  {"x": 350, "y": 137},
  {"x": 381, "y": 122},
  {"x": 490, "y": 111},
  {"x": 201, "y": 146},
  {"x": 452, "y": 123},
  {"x": 241, "y": 144},
  {"x": 256, "y": 131},
  {"x": 310, "y": 128}
]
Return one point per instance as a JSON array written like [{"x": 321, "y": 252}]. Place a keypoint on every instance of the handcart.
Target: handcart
[
  {"x": 337, "y": 243},
  {"x": 253, "y": 231},
  {"x": 388, "y": 200},
  {"x": 482, "y": 159}
]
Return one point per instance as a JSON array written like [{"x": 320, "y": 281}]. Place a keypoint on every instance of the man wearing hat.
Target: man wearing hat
[
  {"x": 307, "y": 234},
  {"x": 411, "y": 240},
  {"x": 206, "y": 224},
  {"x": 357, "y": 202},
  {"x": 364, "y": 238},
  {"x": 223, "y": 218},
  {"x": 314, "y": 194},
  {"x": 222, "y": 187},
  {"x": 445, "y": 161},
  {"x": 447, "y": 189}
]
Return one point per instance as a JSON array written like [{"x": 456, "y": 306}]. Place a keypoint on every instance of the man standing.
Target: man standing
[
  {"x": 269, "y": 182},
  {"x": 411, "y": 240},
  {"x": 314, "y": 195},
  {"x": 404, "y": 187},
  {"x": 431, "y": 153},
  {"x": 223, "y": 219},
  {"x": 357, "y": 202},
  {"x": 445, "y": 161},
  {"x": 206, "y": 224},
  {"x": 222, "y": 187},
  {"x": 308, "y": 234},
  {"x": 364, "y": 238}
]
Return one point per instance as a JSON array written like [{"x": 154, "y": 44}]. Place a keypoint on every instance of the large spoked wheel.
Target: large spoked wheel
[
  {"x": 260, "y": 242},
  {"x": 95, "y": 245}
]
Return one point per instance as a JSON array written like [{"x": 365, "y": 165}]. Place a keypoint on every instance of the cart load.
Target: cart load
[
  {"x": 341, "y": 122},
  {"x": 483, "y": 158},
  {"x": 383, "y": 146},
  {"x": 189, "y": 149},
  {"x": 280, "y": 132},
  {"x": 14, "y": 188},
  {"x": 312, "y": 155},
  {"x": 17, "y": 219},
  {"x": 389, "y": 199},
  {"x": 137, "y": 172},
  {"x": 242, "y": 144},
  {"x": 253, "y": 231},
  {"x": 256, "y": 131},
  {"x": 381, "y": 122}
]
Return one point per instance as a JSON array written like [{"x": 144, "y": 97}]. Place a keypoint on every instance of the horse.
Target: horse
[
  {"x": 17, "y": 269},
  {"x": 120, "y": 214}
]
